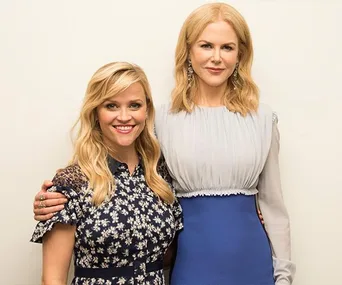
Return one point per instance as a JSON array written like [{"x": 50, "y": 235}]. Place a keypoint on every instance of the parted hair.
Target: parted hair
[
  {"x": 90, "y": 151},
  {"x": 245, "y": 97}
]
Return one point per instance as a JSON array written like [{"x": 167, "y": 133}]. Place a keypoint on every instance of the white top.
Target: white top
[{"x": 213, "y": 151}]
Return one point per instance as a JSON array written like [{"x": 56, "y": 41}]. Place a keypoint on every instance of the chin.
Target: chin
[
  {"x": 125, "y": 144},
  {"x": 216, "y": 84}
]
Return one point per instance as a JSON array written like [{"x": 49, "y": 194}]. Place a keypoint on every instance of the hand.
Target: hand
[
  {"x": 46, "y": 204},
  {"x": 261, "y": 217}
]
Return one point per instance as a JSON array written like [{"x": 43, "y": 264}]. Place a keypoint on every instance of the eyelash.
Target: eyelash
[
  {"x": 137, "y": 105},
  {"x": 205, "y": 46},
  {"x": 134, "y": 106}
]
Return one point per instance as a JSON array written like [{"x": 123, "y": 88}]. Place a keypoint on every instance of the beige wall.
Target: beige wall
[{"x": 49, "y": 50}]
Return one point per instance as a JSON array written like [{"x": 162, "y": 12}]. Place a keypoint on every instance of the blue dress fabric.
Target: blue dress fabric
[
  {"x": 221, "y": 166},
  {"x": 229, "y": 227}
]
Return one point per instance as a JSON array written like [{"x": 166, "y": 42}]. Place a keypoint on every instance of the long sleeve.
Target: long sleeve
[{"x": 271, "y": 203}]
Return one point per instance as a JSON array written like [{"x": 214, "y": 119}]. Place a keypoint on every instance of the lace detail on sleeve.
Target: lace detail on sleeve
[
  {"x": 71, "y": 182},
  {"x": 275, "y": 117},
  {"x": 163, "y": 170}
]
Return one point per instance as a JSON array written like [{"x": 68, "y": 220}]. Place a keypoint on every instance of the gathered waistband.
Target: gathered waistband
[
  {"x": 107, "y": 273},
  {"x": 207, "y": 192}
]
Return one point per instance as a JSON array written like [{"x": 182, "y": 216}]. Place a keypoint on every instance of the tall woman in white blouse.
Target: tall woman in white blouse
[{"x": 221, "y": 148}]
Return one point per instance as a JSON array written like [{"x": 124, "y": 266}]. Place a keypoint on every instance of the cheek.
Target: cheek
[
  {"x": 231, "y": 59},
  {"x": 105, "y": 117},
  {"x": 199, "y": 58},
  {"x": 140, "y": 117}
]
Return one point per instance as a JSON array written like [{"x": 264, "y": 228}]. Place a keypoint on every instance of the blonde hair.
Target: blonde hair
[
  {"x": 245, "y": 97},
  {"x": 90, "y": 150}
]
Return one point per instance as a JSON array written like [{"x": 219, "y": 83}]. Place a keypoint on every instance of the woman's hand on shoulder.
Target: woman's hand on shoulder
[{"x": 47, "y": 203}]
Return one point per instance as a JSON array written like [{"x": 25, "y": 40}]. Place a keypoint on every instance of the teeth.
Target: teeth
[{"x": 124, "y": 128}]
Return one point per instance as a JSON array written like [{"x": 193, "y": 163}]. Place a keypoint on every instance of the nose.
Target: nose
[
  {"x": 216, "y": 55},
  {"x": 124, "y": 115}
]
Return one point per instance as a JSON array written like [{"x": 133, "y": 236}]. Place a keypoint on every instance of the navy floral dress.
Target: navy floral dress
[{"x": 131, "y": 230}]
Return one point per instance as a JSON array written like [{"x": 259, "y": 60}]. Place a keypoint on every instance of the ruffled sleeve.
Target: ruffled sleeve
[
  {"x": 271, "y": 203},
  {"x": 67, "y": 182}
]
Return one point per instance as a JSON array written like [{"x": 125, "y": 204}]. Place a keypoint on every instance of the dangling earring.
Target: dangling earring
[
  {"x": 235, "y": 76},
  {"x": 190, "y": 73}
]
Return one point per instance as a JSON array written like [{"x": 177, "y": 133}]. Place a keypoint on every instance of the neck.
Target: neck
[
  {"x": 210, "y": 96},
  {"x": 127, "y": 155}
]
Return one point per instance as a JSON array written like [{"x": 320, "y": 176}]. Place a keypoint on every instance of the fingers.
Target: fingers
[
  {"x": 261, "y": 218},
  {"x": 41, "y": 218},
  {"x": 46, "y": 211},
  {"x": 49, "y": 203},
  {"x": 47, "y": 184},
  {"x": 42, "y": 195}
]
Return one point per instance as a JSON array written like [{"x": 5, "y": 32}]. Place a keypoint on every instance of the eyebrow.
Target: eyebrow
[
  {"x": 229, "y": 43},
  {"x": 130, "y": 101}
]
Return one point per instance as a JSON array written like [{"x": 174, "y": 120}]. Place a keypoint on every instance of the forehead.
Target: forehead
[
  {"x": 219, "y": 31},
  {"x": 133, "y": 92}
]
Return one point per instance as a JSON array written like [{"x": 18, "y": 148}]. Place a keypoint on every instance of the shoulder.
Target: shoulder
[
  {"x": 266, "y": 111},
  {"x": 70, "y": 177},
  {"x": 163, "y": 109},
  {"x": 162, "y": 112}
]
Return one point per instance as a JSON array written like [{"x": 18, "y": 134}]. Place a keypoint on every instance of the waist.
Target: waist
[
  {"x": 110, "y": 272},
  {"x": 215, "y": 191}
]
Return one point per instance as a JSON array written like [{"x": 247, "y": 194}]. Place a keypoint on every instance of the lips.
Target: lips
[
  {"x": 123, "y": 129},
  {"x": 214, "y": 70}
]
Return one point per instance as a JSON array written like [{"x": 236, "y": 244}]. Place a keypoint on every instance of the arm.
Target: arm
[
  {"x": 275, "y": 215},
  {"x": 47, "y": 203},
  {"x": 57, "y": 252}
]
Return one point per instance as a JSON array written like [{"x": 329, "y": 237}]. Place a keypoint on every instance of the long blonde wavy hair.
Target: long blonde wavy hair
[
  {"x": 90, "y": 151},
  {"x": 245, "y": 97}
]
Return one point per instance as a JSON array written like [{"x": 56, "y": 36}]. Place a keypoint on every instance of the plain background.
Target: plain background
[{"x": 50, "y": 49}]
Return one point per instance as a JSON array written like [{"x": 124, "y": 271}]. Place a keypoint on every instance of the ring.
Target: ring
[
  {"x": 41, "y": 197},
  {"x": 41, "y": 205}
]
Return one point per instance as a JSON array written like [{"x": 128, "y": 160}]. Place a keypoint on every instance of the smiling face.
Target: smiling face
[
  {"x": 214, "y": 55},
  {"x": 122, "y": 118}
]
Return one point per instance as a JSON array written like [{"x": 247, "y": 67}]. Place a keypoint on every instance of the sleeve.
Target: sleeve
[
  {"x": 178, "y": 215},
  {"x": 163, "y": 170},
  {"x": 176, "y": 207},
  {"x": 271, "y": 203},
  {"x": 71, "y": 213}
]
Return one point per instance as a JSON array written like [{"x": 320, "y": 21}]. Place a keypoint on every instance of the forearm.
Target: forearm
[
  {"x": 57, "y": 252},
  {"x": 276, "y": 219}
]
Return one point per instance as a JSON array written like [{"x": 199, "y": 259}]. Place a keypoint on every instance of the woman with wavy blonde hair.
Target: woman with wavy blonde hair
[
  {"x": 221, "y": 147},
  {"x": 121, "y": 215}
]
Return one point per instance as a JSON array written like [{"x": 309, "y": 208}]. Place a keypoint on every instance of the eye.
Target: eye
[
  {"x": 135, "y": 105},
  {"x": 227, "y": 47},
  {"x": 111, "y": 106},
  {"x": 206, "y": 46}
]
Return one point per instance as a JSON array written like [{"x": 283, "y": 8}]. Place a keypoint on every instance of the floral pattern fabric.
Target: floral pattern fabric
[{"x": 133, "y": 228}]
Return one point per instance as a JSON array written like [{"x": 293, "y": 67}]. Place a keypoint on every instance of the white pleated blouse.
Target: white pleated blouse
[{"x": 212, "y": 151}]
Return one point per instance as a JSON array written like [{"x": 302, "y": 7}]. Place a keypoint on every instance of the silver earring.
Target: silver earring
[{"x": 190, "y": 72}]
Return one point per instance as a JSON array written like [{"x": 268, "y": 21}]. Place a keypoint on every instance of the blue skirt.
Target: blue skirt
[{"x": 223, "y": 243}]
